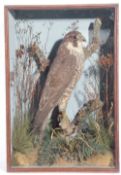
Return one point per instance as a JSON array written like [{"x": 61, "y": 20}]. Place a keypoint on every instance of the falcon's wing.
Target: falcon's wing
[{"x": 59, "y": 77}]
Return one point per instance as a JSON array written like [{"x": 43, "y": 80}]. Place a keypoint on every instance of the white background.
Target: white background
[{"x": 2, "y": 66}]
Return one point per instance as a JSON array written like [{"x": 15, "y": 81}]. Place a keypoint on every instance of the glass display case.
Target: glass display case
[{"x": 62, "y": 88}]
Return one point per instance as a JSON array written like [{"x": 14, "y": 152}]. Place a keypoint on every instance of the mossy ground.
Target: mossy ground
[{"x": 77, "y": 147}]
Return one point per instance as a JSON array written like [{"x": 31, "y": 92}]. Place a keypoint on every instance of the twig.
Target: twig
[{"x": 86, "y": 143}]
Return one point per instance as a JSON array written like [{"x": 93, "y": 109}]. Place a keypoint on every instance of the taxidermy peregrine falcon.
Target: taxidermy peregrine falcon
[{"x": 63, "y": 75}]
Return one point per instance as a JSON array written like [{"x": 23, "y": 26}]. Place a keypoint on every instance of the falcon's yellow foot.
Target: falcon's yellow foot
[{"x": 65, "y": 123}]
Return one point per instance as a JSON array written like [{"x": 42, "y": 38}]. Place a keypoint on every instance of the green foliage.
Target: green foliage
[
  {"x": 49, "y": 151},
  {"x": 50, "y": 148},
  {"x": 22, "y": 139},
  {"x": 78, "y": 147}
]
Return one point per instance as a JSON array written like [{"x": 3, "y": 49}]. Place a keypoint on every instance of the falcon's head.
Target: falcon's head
[{"x": 74, "y": 37}]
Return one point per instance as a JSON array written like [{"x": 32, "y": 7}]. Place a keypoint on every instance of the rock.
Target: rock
[
  {"x": 21, "y": 159},
  {"x": 26, "y": 159},
  {"x": 100, "y": 160},
  {"x": 63, "y": 162}
]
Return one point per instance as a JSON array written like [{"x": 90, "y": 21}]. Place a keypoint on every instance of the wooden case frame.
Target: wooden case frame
[{"x": 116, "y": 95}]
